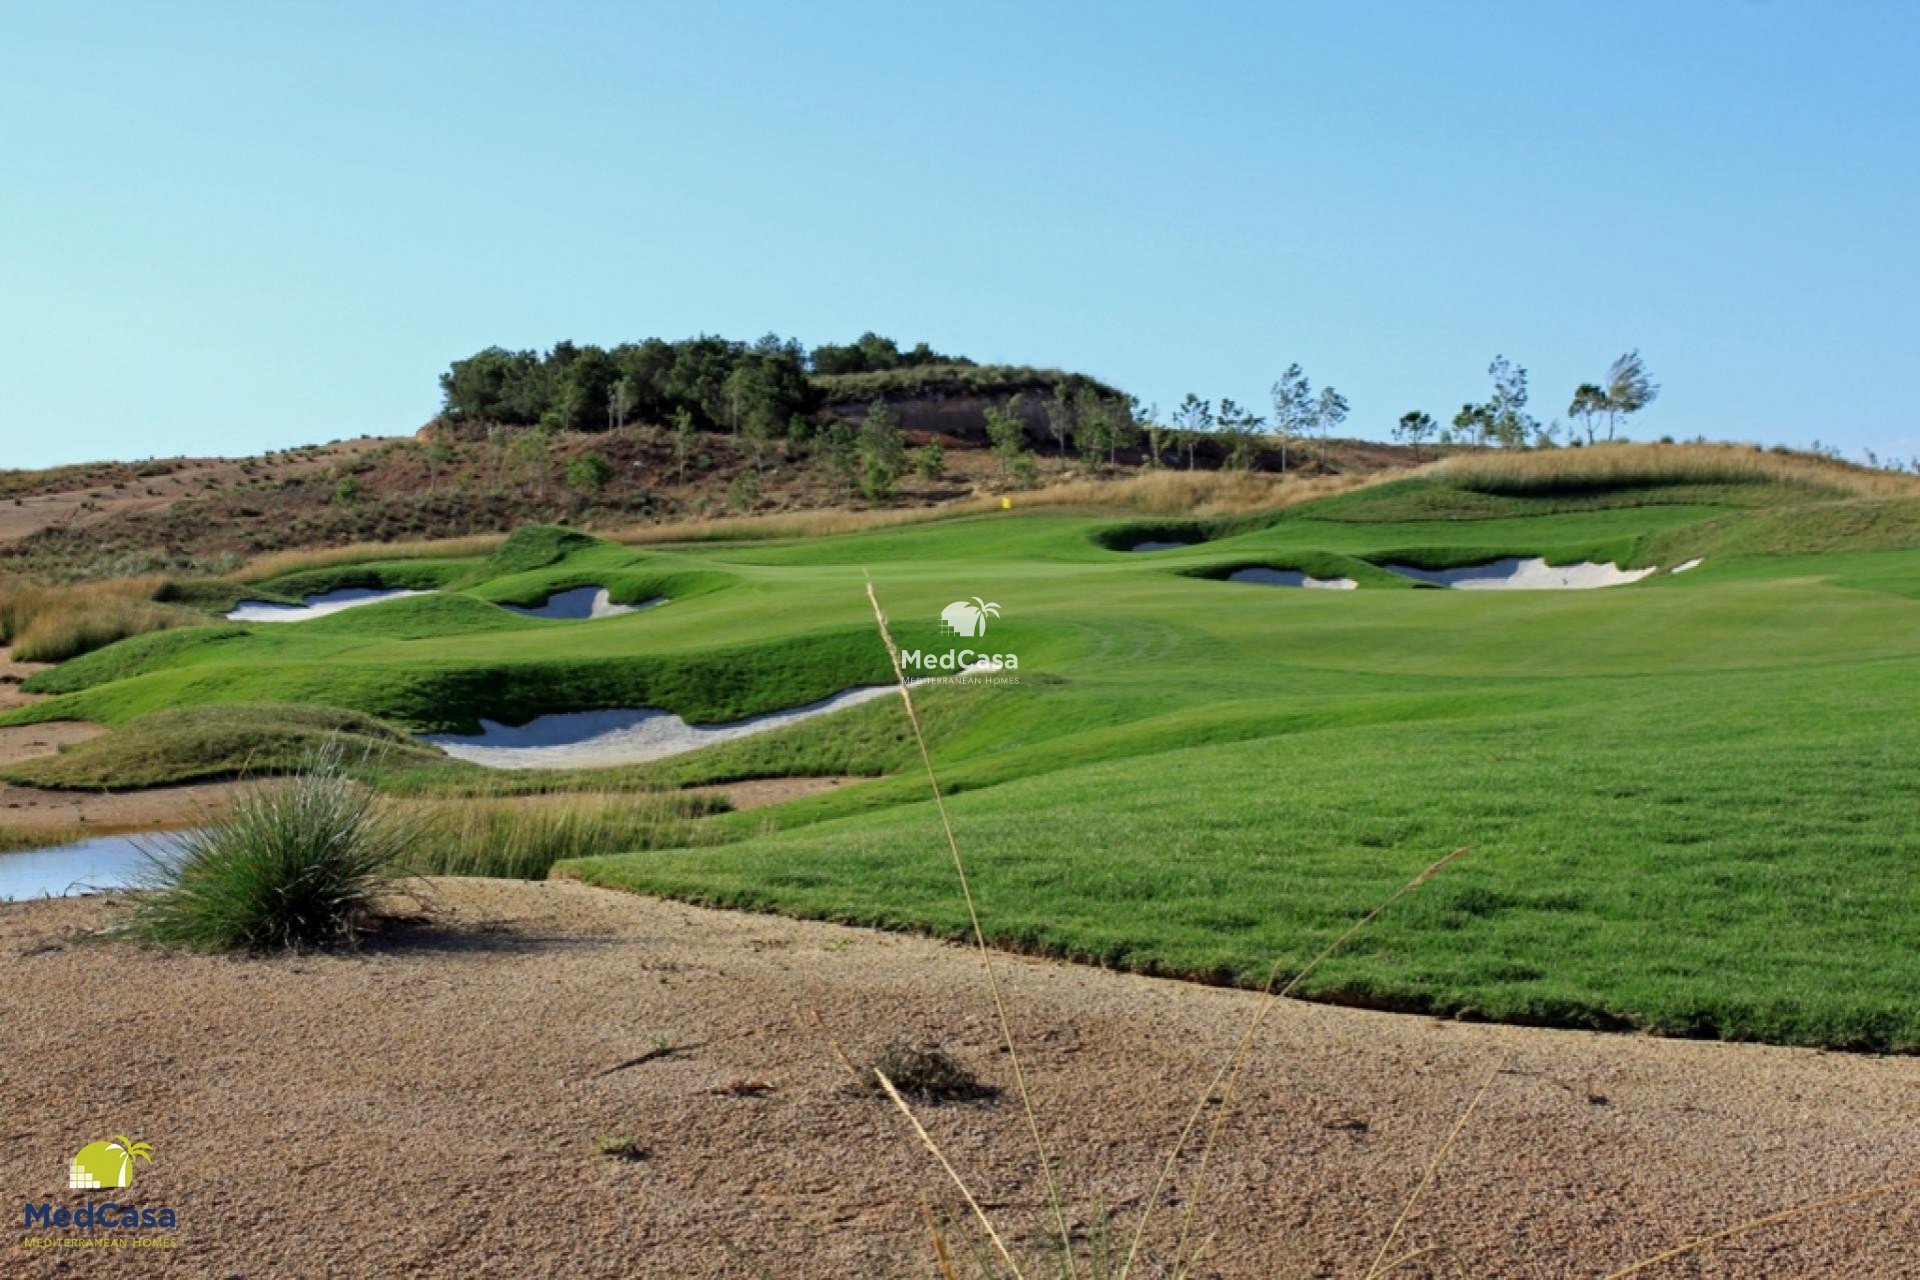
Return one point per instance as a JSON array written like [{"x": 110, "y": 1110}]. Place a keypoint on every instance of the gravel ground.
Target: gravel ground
[{"x": 430, "y": 1105}]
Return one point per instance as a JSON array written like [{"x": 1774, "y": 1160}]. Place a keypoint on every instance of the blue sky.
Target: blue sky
[{"x": 231, "y": 227}]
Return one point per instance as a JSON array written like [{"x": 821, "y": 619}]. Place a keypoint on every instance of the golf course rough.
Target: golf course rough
[{"x": 1689, "y": 798}]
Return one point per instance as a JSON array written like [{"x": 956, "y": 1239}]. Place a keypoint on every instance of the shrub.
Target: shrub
[
  {"x": 296, "y": 865},
  {"x": 923, "y": 1072}
]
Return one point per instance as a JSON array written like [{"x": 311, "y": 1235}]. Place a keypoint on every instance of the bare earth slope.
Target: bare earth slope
[{"x": 430, "y": 1107}]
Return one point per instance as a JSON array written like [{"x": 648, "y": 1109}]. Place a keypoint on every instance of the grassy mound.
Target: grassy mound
[
  {"x": 192, "y": 744},
  {"x": 1617, "y": 467}
]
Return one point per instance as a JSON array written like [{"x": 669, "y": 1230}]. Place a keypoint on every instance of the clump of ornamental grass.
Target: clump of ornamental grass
[
  {"x": 52, "y": 624},
  {"x": 292, "y": 865}
]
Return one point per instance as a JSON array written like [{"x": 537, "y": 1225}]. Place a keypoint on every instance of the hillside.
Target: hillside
[{"x": 207, "y": 515}]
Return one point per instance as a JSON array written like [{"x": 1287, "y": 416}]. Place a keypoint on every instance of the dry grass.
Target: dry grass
[
  {"x": 523, "y": 837},
  {"x": 1617, "y": 466},
  {"x": 277, "y": 563},
  {"x": 52, "y": 624},
  {"x": 1169, "y": 493}
]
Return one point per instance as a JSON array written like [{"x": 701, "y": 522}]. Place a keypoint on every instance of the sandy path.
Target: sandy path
[{"x": 430, "y": 1107}]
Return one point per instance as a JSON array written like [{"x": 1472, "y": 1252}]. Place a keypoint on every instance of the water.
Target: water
[{"x": 87, "y": 866}]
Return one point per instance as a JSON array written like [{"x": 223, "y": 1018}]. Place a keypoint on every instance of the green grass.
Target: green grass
[
  {"x": 196, "y": 744},
  {"x": 1691, "y": 799}
]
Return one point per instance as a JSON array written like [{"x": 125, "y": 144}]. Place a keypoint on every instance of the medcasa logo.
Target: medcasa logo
[
  {"x": 101, "y": 1166},
  {"x": 966, "y": 619}
]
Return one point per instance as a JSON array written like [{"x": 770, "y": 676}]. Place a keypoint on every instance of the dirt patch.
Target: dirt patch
[
  {"x": 12, "y": 675},
  {"x": 33, "y": 809},
  {"x": 354, "y": 1115}
]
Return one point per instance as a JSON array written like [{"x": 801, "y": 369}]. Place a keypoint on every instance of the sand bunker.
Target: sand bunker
[
  {"x": 1158, "y": 546},
  {"x": 318, "y": 606},
  {"x": 1532, "y": 574},
  {"x": 1290, "y": 578},
  {"x": 582, "y": 602},
  {"x": 1682, "y": 567},
  {"x": 594, "y": 739}
]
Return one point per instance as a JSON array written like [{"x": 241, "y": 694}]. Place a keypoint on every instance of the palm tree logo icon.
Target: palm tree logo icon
[
  {"x": 968, "y": 617},
  {"x": 102, "y": 1165}
]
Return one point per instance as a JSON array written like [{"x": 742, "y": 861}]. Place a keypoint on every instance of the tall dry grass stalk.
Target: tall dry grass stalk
[
  {"x": 986, "y": 960},
  {"x": 276, "y": 563},
  {"x": 1381, "y": 1266},
  {"x": 1630, "y": 465},
  {"x": 1754, "y": 1224},
  {"x": 1228, "y": 1077}
]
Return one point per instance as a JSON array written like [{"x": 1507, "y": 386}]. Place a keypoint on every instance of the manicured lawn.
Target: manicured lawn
[{"x": 1691, "y": 800}]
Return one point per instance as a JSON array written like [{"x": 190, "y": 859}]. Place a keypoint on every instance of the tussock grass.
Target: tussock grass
[
  {"x": 281, "y": 563},
  {"x": 52, "y": 624},
  {"x": 522, "y": 839},
  {"x": 294, "y": 865},
  {"x": 1628, "y": 466}
]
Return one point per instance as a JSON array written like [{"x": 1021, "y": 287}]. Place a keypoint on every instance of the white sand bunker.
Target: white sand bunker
[
  {"x": 582, "y": 602},
  {"x": 1682, "y": 567},
  {"x": 1533, "y": 574},
  {"x": 318, "y": 606},
  {"x": 594, "y": 739},
  {"x": 1158, "y": 546},
  {"x": 1290, "y": 578}
]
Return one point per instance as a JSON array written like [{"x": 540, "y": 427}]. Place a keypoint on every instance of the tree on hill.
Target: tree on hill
[
  {"x": 531, "y": 450},
  {"x": 1191, "y": 423},
  {"x": 1629, "y": 389},
  {"x": 1507, "y": 420},
  {"x": 883, "y": 451},
  {"x": 1147, "y": 418},
  {"x": 1293, "y": 409},
  {"x": 1589, "y": 403},
  {"x": 1472, "y": 424},
  {"x": 1063, "y": 417},
  {"x": 1415, "y": 429},
  {"x": 1006, "y": 433},
  {"x": 1329, "y": 413},
  {"x": 1241, "y": 427},
  {"x": 683, "y": 430}
]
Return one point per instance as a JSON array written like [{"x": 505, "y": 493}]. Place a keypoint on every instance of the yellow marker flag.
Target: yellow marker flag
[{"x": 1006, "y": 504}]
